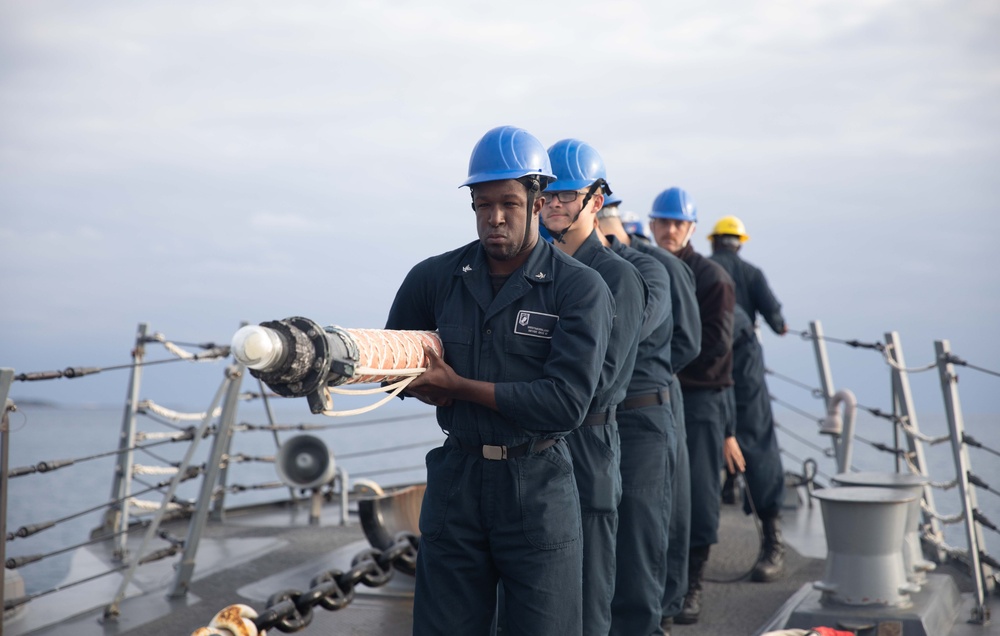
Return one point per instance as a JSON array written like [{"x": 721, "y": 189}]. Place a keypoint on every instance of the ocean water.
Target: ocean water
[{"x": 387, "y": 446}]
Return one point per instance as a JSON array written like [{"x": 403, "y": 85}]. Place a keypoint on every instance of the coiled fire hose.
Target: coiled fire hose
[{"x": 296, "y": 357}]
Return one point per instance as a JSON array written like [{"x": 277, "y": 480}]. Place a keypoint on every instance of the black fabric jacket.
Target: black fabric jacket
[{"x": 713, "y": 368}]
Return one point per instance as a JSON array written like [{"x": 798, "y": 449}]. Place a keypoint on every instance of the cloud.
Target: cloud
[{"x": 203, "y": 163}]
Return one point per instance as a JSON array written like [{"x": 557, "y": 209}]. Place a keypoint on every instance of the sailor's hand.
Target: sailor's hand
[
  {"x": 733, "y": 455},
  {"x": 435, "y": 385}
]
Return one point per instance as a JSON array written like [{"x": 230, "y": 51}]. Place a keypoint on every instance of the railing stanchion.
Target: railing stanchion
[
  {"x": 227, "y": 419},
  {"x": 6, "y": 379},
  {"x": 234, "y": 377},
  {"x": 113, "y": 608},
  {"x": 980, "y": 572},
  {"x": 116, "y": 518},
  {"x": 826, "y": 382},
  {"x": 903, "y": 408}
]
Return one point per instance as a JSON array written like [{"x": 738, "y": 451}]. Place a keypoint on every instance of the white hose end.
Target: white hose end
[{"x": 257, "y": 347}]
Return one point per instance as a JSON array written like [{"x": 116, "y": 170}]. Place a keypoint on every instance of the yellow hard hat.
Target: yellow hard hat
[{"x": 732, "y": 226}]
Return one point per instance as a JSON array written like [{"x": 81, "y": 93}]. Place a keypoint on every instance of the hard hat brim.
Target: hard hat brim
[{"x": 483, "y": 177}]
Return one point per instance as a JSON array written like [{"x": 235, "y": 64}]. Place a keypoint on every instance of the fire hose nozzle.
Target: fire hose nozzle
[{"x": 259, "y": 348}]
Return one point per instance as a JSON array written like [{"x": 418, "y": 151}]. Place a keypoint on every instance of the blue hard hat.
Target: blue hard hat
[
  {"x": 634, "y": 225},
  {"x": 612, "y": 199},
  {"x": 576, "y": 164},
  {"x": 507, "y": 152},
  {"x": 674, "y": 203}
]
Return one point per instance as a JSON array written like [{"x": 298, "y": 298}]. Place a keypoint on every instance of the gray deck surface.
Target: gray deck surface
[{"x": 287, "y": 553}]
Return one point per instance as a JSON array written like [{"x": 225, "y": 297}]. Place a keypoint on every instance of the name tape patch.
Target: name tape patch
[{"x": 535, "y": 324}]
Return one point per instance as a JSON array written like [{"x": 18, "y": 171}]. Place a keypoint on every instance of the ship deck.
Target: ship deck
[{"x": 260, "y": 551}]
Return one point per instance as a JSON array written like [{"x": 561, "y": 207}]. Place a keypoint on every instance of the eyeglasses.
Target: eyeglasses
[{"x": 564, "y": 196}]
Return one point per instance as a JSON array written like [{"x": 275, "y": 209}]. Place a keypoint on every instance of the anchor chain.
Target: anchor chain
[{"x": 292, "y": 610}]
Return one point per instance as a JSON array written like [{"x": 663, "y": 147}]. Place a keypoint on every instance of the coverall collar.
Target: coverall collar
[{"x": 537, "y": 270}]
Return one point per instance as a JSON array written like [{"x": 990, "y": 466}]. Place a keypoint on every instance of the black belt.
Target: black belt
[
  {"x": 504, "y": 452},
  {"x": 649, "y": 399},
  {"x": 599, "y": 419}
]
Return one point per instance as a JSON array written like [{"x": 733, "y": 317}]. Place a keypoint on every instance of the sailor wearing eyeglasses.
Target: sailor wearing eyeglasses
[{"x": 570, "y": 216}]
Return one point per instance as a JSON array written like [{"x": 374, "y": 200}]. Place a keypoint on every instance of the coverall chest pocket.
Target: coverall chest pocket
[
  {"x": 550, "y": 502},
  {"x": 525, "y": 357},
  {"x": 457, "y": 342}
]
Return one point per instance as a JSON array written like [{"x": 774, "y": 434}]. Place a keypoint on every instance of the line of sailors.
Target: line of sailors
[{"x": 587, "y": 391}]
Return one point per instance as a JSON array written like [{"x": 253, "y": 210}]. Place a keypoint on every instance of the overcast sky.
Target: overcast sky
[{"x": 193, "y": 165}]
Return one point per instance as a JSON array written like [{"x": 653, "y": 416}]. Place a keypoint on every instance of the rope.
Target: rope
[
  {"x": 173, "y": 437},
  {"x": 141, "y": 469},
  {"x": 214, "y": 352},
  {"x": 945, "y": 519},
  {"x": 151, "y": 506},
  {"x": 395, "y": 389},
  {"x": 162, "y": 411},
  {"x": 914, "y": 433},
  {"x": 940, "y": 485},
  {"x": 383, "y": 350},
  {"x": 887, "y": 354}
]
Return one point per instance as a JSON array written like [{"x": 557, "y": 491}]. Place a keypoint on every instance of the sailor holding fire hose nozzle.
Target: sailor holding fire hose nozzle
[{"x": 507, "y": 336}]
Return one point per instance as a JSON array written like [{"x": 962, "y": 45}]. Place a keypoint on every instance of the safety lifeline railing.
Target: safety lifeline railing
[
  {"x": 907, "y": 447},
  {"x": 121, "y": 513}
]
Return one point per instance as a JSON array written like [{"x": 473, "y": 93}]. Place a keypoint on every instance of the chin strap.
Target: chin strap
[
  {"x": 606, "y": 189},
  {"x": 534, "y": 187}
]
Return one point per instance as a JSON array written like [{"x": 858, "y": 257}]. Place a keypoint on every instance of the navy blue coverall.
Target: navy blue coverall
[
  {"x": 542, "y": 340},
  {"x": 753, "y": 293},
  {"x": 596, "y": 445},
  {"x": 649, "y": 451},
  {"x": 709, "y": 404},
  {"x": 754, "y": 420},
  {"x": 685, "y": 345}
]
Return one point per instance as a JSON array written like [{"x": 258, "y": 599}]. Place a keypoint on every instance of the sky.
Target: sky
[{"x": 195, "y": 165}]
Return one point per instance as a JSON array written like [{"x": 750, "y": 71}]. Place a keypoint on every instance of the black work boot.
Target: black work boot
[
  {"x": 692, "y": 600},
  {"x": 729, "y": 489},
  {"x": 771, "y": 565}
]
